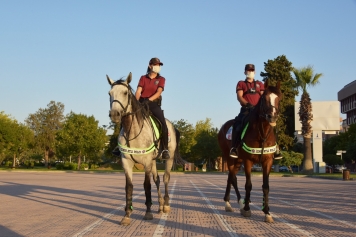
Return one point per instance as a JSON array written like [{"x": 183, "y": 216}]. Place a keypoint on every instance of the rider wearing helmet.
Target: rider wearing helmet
[
  {"x": 149, "y": 90},
  {"x": 248, "y": 93}
]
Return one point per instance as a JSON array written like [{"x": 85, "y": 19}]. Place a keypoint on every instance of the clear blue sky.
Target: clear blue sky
[{"x": 62, "y": 50}]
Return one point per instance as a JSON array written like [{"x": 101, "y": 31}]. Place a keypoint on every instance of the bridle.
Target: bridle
[
  {"x": 124, "y": 108},
  {"x": 264, "y": 109}
]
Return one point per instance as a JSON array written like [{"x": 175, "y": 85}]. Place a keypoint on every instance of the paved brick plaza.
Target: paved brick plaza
[{"x": 91, "y": 204}]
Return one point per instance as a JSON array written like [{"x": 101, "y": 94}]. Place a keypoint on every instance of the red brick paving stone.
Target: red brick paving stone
[
  {"x": 262, "y": 225},
  {"x": 63, "y": 204}
]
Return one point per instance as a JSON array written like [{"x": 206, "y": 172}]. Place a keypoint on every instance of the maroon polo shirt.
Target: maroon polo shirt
[
  {"x": 245, "y": 86},
  {"x": 150, "y": 86}
]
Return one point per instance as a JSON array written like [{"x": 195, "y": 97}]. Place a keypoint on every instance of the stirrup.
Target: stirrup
[
  {"x": 233, "y": 153},
  {"x": 277, "y": 156},
  {"x": 116, "y": 151},
  {"x": 165, "y": 155}
]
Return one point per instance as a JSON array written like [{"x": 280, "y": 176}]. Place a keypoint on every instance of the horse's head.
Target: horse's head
[
  {"x": 269, "y": 103},
  {"x": 120, "y": 98}
]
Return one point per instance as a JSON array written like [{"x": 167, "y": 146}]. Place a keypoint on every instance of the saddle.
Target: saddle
[
  {"x": 244, "y": 122},
  {"x": 157, "y": 128}
]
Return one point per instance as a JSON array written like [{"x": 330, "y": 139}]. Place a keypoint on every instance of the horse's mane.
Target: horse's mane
[
  {"x": 142, "y": 109},
  {"x": 274, "y": 90},
  {"x": 270, "y": 89}
]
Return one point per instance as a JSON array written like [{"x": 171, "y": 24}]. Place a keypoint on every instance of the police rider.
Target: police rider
[{"x": 248, "y": 93}]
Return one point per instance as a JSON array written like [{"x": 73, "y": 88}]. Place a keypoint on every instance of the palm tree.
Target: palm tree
[{"x": 305, "y": 77}]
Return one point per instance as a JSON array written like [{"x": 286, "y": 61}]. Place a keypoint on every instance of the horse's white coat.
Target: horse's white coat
[
  {"x": 272, "y": 98},
  {"x": 138, "y": 134}
]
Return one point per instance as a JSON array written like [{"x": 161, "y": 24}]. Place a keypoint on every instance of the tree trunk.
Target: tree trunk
[
  {"x": 308, "y": 159},
  {"x": 46, "y": 157},
  {"x": 14, "y": 162},
  {"x": 79, "y": 160}
]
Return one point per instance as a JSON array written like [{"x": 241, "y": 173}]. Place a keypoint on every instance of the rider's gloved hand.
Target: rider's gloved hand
[
  {"x": 249, "y": 106},
  {"x": 145, "y": 101}
]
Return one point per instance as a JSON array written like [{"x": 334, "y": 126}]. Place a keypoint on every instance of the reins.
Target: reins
[
  {"x": 125, "y": 114},
  {"x": 264, "y": 116},
  {"x": 141, "y": 108}
]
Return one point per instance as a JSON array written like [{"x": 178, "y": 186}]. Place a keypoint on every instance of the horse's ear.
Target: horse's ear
[
  {"x": 129, "y": 78},
  {"x": 266, "y": 84},
  {"x": 278, "y": 85},
  {"x": 109, "y": 80}
]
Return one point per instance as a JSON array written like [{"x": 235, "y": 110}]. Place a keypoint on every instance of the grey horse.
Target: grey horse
[{"x": 139, "y": 144}]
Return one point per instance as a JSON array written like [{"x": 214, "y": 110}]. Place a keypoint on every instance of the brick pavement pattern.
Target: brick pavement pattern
[{"x": 92, "y": 204}]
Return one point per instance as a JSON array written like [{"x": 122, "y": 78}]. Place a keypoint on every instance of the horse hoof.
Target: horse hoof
[
  {"x": 268, "y": 218},
  {"x": 245, "y": 213},
  {"x": 148, "y": 216},
  {"x": 166, "y": 209},
  {"x": 242, "y": 204},
  {"x": 228, "y": 209},
  {"x": 125, "y": 221}
]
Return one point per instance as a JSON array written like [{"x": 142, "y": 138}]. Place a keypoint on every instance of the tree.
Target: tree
[
  {"x": 305, "y": 78},
  {"x": 331, "y": 145},
  {"x": 113, "y": 141},
  {"x": 15, "y": 138},
  {"x": 350, "y": 146},
  {"x": 7, "y": 135},
  {"x": 332, "y": 159},
  {"x": 279, "y": 69},
  {"x": 206, "y": 145},
  {"x": 45, "y": 123},
  {"x": 80, "y": 136},
  {"x": 291, "y": 158},
  {"x": 186, "y": 137}
]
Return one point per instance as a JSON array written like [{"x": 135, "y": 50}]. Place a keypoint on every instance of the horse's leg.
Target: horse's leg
[
  {"x": 166, "y": 178},
  {"x": 246, "y": 211},
  {"x": 228, "y": 207},
  {"x": 266, "y": 166},
  {"x": 127, "y": 165},
  {"x": 157, "y": 181},
  {"x": 234, "y": 181},
  {"x": 147, "y": 187},
  {"x": 231, "y": 180}
]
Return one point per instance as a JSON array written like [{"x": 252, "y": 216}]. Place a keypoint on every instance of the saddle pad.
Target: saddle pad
[
  {"x": 229, "y": 134},
  {"x": 156, "y": 128}
]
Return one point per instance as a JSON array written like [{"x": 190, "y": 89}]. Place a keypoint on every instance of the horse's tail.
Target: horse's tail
[{"x": 177, "y": 158}]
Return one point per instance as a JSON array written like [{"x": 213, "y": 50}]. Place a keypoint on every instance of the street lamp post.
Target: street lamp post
[{"x": 339, "y": 153}]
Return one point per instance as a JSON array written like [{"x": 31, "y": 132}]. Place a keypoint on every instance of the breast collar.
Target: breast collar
[{"x": 248, "y": 89}]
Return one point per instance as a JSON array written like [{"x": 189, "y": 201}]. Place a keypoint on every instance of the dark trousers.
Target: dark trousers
[
  {"x": 237, "y": 127},
  {"x": 158, "y": 113}
]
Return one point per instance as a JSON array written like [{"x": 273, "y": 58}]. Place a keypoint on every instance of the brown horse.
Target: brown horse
[{"x": 259, "y": 134}]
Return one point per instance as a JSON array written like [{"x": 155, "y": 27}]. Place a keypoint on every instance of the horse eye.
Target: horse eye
[{"x": 125, "y": 93}]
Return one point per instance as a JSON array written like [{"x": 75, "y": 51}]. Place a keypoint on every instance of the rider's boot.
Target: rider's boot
[
  {"x": 165, "y": 152},
  {"x": 235, "y": 142},
  {"x": 116, "y": 151},
  {"x": 277, "y": 154}
]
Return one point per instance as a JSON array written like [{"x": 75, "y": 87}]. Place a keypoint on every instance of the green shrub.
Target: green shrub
[
  {"x": 83, "y": 166},
  {"x": 71, "y": 166},
  {"x": 93, "y": 166},
  {"x": 8, "y": 163},
  {"x": 60, "y": 166}
]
